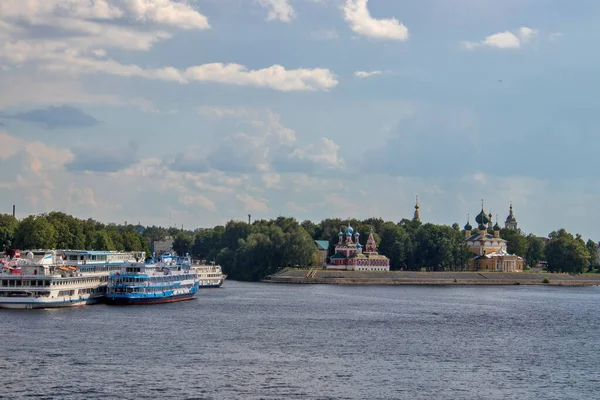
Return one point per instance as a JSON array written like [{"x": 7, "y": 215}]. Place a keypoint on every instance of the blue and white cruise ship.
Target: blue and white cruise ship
[
  {"x": 169, "y": 280},
  {"x": 58, "y": 278}
]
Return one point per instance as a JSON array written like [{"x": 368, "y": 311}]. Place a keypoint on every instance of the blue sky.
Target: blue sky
[{"x": 208, "y": 110}]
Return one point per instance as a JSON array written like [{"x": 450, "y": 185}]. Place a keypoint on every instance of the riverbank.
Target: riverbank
[{"x": 320, "y": 276}]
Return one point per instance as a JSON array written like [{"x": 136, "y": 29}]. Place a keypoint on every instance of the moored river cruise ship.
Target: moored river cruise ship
[
  {"x": 167, "y": 280},
  {"x": 209, "y": 275},
  {"x": 58, "y": 278}
]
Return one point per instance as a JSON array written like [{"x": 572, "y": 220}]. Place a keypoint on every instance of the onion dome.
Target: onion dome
[
  {"x": 482, "y": 218},
  {"x": 340, "y": 233},
  {"x": 482, "y": 227},
  {"x": 357, "y": 234},
  {"x": 468, "y": 226},
  {"x": 349, "y": 230},
  {"x": 497, "y": 227}
]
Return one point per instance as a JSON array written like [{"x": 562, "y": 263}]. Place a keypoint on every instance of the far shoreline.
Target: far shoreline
[{"x": 337, "y": 277}]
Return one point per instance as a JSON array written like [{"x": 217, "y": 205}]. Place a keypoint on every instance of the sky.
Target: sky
[{"x": 197, "y": 112}]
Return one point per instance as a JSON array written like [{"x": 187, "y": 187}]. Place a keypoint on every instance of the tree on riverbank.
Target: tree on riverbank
[
  {"x": 566, "y": 253},
  {"x": 252, "y": 251}
]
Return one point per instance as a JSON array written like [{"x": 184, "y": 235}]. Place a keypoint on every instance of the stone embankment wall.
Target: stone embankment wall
[{"x": 316, "y": 276}]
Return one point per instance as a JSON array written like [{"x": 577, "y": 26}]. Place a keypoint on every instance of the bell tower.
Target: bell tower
[
  {"x": 417, "y": 216},
  {"x": 511, "y": 221}
]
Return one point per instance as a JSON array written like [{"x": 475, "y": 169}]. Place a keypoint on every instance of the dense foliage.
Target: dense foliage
[
  {"x": 252, "y": 251},
  {"x": 58, "y": 230}
]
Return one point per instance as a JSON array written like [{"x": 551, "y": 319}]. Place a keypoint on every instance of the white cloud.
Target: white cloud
[
  {"x": 178, "y": 14},
  {"x": 504, "y": 40},
  {"x": 478, "y": 177},
  {"x": 280, "y": 10},
  {"x": 526, "y": 34},
  {"x": 198, "y": 200},
  {"x": 59, "y": 57},
  {"x": 10, "y": 145},
  {"x": 274, "y": 77},
  {"x": 365, "y": 74},
  {"x": 252, "y": 204},
  {"x": 167, "y": 12},
  {"x": 272, "y": 181},
  {"x": 324, "y": 153},
  {"x": 360, "y": 20}
]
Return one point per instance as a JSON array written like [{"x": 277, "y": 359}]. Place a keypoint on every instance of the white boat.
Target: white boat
[
  {"x": 58, "y": 278},
  {"x": 209, "y": 275}
]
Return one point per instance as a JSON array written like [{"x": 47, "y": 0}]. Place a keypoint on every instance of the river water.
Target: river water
[{"x": 270, "y": 341}]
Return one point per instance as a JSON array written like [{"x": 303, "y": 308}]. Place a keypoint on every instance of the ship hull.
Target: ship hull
[
  {"x": 130, "y": 301},
  {"x": 25, "y": 304},
  {"x": 211, "y": 285}
]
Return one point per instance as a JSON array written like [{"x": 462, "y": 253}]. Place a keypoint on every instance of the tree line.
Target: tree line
[{"x": 252, "y": 251}]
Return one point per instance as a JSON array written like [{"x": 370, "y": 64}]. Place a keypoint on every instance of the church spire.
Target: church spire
[
  {"x": 371, "y": 245},
  {"x": 416, "y": 216},
  {"x": 511, "y": 220}
]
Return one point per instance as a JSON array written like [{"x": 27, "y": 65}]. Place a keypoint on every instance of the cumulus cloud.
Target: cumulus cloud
[
  {"x": 198, "y": 200},
  {"x": 168, "y": 12},
  {"x": 504, "y": 40},
  {"x": 252, "y": 204},
  {"x": 280, "y": 10},
  {"x": 264, "y": 146},
  {"x": 274, "y": 77},
  {"x": 58, "y": 57},
  {"x": 55, "y": 117},
  {"x": 366, "y": 74},
  {"x": 98, "y": 159},
  {"x": 360, "y": 20}
]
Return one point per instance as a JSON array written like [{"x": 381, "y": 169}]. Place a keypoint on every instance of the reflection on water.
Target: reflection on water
[{"x": 264, "y": 341}]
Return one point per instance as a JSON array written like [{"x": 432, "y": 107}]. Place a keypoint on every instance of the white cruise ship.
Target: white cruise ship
[
  {"x": 58, "y": 278},
  {"x": 209, "y": 275}
]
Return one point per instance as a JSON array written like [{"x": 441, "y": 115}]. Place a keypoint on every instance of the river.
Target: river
[{"x": 270, "y": 341}]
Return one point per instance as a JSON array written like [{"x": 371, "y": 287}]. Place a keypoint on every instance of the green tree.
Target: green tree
[
  {"x": 535, "y": 250},
  {"x": 183, "y": 243},
  {"x": 101, "y": 240},
  {"x": 592, "y": 248},
  {"x": 517, "y": 243},
  {"x": 8, "y": 227},
  {"x": 35, "y": 232},
  {"x": 565, "y": 253}
]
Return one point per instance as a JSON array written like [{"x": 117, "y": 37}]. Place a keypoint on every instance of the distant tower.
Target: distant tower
[
  {"x": 249, "y": 218},
  {"x": 371, "y": 245},
  {"x": 417, "y": 217},
  {"x": 490, "y": 222},
  {"x": 511, "y": 220}
]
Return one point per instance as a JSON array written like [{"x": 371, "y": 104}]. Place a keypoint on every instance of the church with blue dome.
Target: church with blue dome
[{"x": 350, "y": 255}]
